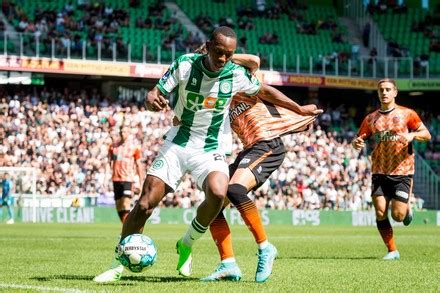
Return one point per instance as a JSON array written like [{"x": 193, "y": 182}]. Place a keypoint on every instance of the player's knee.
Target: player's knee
[
  {"x": 237, "y": 193},
  {"x": 398, "y": 216},
  {"x": 218, "y": 193},
  {"x": 381, "y": 215},
  {"x": 147, "y": 200}
]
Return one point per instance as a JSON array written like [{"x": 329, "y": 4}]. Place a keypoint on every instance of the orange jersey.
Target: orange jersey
[
  {"x": 123, "y": 157},
  {"x": 253, "y": 119},
  {"x": 391, "y": 154}
]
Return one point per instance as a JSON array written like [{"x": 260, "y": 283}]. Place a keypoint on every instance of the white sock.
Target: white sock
[
  {"x": 229, "y": 260},
  {"x": 194, "y": 232},
  {"x": 263, "y": 244}
]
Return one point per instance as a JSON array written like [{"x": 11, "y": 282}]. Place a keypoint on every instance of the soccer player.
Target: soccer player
[
  {"x": 7, "y": 199},
  {"x": 124, "y": 156},
  {"x": 205, "y": 85},
  {"x": 393, "y": 128},
  {"x": 259, "y": 122}
]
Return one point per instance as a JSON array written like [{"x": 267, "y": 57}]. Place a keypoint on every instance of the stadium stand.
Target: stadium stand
[
  {"x": 410, "y": 32},
  {"x": 108, "y": 22},
  {"x": 321, "y": 170},
  {"x": 278, "y": 28}
]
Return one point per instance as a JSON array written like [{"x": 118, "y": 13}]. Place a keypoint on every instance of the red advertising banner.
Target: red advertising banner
[
  {"x": 148, "y": 70},
  {"x": 277, "y": 78}
]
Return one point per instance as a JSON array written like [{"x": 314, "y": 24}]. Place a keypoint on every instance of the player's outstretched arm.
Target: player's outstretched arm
[
  {"x": 274, "y": 96},
  {"x": 155, "y": 101}
]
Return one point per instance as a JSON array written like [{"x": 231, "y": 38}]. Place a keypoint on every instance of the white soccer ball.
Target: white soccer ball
[{"x": 137, "y": 252}]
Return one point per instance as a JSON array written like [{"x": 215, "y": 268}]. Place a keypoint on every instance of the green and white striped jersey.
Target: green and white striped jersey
[{"x": 203, "y": 99}]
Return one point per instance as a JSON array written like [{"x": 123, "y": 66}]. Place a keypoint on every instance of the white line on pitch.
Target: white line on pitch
[{"x": 40, "y": 288}]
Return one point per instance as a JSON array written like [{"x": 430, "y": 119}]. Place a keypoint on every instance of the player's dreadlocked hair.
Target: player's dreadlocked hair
[{"x": 225, "y": 31}]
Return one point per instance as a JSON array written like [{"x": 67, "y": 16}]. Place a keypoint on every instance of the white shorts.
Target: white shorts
[{"x": 173, "y": 162}]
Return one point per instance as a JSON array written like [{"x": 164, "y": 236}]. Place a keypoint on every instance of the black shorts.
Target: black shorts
[
  {"x": 392, "y": 186},
  {"x": 262, "y": 159},
  {"x": 122, "y": 189}
]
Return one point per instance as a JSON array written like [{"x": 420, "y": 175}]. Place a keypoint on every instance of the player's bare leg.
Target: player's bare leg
[
  {"x": 215, "y": 187},
  {"x": 154, "y": 189},
  {"x": 123, "y": 207},
  {"x": 409, "y": 212},
  {"x": 381, "y": 204}
]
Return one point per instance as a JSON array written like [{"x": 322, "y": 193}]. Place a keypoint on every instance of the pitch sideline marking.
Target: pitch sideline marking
[{"x": 40, "y": 288}]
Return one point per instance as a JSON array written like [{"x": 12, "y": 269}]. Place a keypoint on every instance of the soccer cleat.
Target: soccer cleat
[
  {"x": 408, "y": 218},
  {"x": 185, "y": 259},
  {"x": 10, "y": 221},
  {"x": 111, "y": 275},
  {"x": 225, "y": 271},
  {"x": 266, "y": 258},
  {"x": 392, "y": 255}
]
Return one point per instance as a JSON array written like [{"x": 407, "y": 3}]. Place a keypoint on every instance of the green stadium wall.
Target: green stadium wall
[{"x": 85, "y": 215}]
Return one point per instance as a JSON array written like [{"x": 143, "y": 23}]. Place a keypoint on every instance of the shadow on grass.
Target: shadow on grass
[
  {"x": 330, "y": 257},
  {"x": 123, "y": 281}
]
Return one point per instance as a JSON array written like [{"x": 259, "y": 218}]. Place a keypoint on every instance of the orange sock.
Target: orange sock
[
  {"x": 386, "y": 231},
  {"x": 222, "y": 237},
  {"x": 251, "y": 217}
]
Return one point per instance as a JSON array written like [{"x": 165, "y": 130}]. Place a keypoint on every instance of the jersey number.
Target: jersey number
[{"x": 218, "y": 157}]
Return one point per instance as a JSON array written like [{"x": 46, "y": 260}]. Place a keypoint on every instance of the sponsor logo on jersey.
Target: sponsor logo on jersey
[
  {"x": 209, "y": 102},
  {"x": 386, "y": 135},
  {"x": 194, "y": 81},
  {"x": 244, "y": 161},
  {"x": 238, "y": 110}
]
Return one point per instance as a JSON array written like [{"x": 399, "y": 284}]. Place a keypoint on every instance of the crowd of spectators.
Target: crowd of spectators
[
  {"x": 69, "y": 28},
  {"x": 65, "y": 136}
]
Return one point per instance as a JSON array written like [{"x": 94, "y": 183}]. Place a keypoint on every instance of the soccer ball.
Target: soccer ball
[{"x": 137, "y": 252}]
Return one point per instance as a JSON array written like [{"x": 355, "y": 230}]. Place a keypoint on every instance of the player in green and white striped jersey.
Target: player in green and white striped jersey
[{"x": 205, "y": 85}]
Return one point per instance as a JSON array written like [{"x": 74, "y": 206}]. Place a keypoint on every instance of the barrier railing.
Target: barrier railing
[{"x": 29, "y": 45}]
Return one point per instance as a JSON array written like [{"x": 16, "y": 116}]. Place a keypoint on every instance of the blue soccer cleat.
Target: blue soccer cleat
[
  {"x": 266, "y": 258},
  {"x": 392, "y": 255},
  {"x": 225, "y": 271}
]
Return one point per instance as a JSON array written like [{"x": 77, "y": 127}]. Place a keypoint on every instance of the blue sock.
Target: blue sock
[{"x": 10, "y": 212}]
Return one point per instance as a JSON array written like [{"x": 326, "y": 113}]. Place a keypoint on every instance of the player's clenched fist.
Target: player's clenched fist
[
  {"x": 311, "y": 109},
  {"x": 358, "y": 143},
  {"x": 155, "y": 101}
]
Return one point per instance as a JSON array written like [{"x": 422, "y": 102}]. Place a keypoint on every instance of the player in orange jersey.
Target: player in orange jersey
[
  {"x": 393, "y": 128},
  {"x": 125, "y": 157},
  {"x": 259, "y": 121}
]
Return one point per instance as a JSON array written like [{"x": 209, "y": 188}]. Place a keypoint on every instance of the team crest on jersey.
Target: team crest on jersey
[
  {"x": 157, "y": 164},
  {"x": 396, "y": 120},
  {"x": 225, "y": 87}
]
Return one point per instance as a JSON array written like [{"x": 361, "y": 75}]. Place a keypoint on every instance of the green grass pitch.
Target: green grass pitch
[{"x": 58, "y": 257}]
